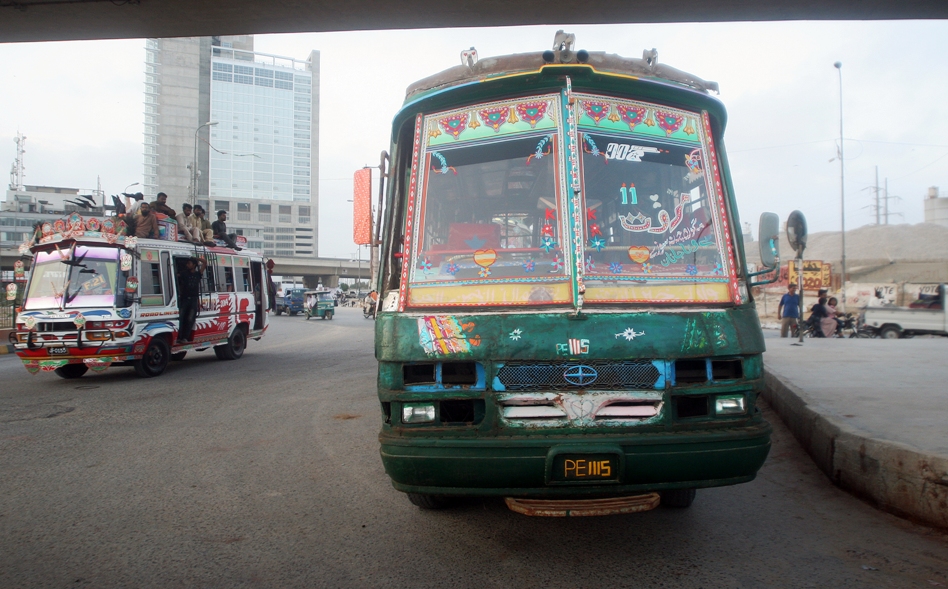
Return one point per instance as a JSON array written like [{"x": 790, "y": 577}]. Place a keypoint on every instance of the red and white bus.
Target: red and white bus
[{"x": 97, "y": 298}]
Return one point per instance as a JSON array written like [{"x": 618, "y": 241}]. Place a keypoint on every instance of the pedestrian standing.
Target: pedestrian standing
[{"x": 788, "y": 311}]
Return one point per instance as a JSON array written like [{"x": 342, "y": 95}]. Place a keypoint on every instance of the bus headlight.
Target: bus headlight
[
  {"x": 418, "y": 412},
  {"x": 729, "y": 405}
]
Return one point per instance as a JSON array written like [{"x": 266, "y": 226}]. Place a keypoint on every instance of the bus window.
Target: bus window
[
  {"x": 169, "y": 277},
  {"x": 150, "y": 284},
  {"x": 244, "y": 283},
  {"x": 228, "y": 279}
]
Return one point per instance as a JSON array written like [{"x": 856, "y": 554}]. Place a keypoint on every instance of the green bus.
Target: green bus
[{"x": 564, "y": 308}]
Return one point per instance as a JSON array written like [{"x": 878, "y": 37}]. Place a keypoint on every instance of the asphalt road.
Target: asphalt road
[{"x": 265, "y": 472}]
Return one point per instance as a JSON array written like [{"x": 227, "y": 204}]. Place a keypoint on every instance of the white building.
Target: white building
[{"x": 251, "y": 120}]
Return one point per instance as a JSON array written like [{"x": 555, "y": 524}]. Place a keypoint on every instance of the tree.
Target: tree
[{"x": 343, "y": 286}]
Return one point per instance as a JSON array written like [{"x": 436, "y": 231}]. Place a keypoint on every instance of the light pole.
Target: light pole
[
  {"x": 192, "y": 198},
  {"x": 842, "y": 182}
]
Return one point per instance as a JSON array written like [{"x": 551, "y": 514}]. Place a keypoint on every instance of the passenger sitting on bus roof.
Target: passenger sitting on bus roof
[
  {"x": 133, "y": 203},
  {"x": 189, "y": 290},
  {"x": 160, "y": 205},
  {"x": 201, "y": 222},
  {"x": 220, "y": 230},
  {"x": 186, "y": 226},
  {"x": 146, "y": 224}
]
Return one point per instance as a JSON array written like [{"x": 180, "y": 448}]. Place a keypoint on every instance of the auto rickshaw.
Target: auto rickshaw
[{"x": 319, "y": 303}]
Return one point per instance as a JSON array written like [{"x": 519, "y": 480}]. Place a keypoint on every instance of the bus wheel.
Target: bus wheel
[
  {"x": 234, "y": 348},
  {"x": 179, "y": 356},
  {"x": 71, "y": 370},
  {"x": 429, "y": 501},
  {"x": 155, "y": 359},
  {"x": 678, "y": 498}
]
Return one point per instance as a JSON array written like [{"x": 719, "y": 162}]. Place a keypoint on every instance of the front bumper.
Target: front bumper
[{"x": 521, "y": 465}]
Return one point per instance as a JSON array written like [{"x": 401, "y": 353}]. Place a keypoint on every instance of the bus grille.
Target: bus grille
[{"x": 521, "y": 376}]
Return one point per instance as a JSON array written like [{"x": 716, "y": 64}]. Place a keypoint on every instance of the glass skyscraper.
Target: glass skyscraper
[{"x": 259, "y": 160}]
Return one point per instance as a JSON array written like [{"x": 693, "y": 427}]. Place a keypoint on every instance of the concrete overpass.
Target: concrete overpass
[
  {"x": 328, "y": 271},
  {"x": 55, "y": 20}
]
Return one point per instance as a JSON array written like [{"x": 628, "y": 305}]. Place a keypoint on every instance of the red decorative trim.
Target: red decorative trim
[
  {"x": 409, "y": 216},
  {"x": 726, "y": 225}
]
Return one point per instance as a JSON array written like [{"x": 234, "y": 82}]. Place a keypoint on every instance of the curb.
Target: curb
[{"x": 893, "y": 476}]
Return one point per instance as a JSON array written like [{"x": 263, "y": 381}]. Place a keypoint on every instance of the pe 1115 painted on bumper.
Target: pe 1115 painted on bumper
[{"x": 521, "y": 466}]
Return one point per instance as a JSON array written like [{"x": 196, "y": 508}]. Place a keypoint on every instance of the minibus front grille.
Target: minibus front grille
[
  {"x": 48, "y": 326},
  {"x": 599, "y": 375}
]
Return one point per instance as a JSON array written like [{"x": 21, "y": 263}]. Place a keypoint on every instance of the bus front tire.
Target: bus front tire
[
  {"x": 677, "y": 498},
  {"x": 155, "y": 359},
  {"x": 431, "y": 502},
  {"x": 235, "y": 346},
  {"x": 71, "y": 370}
]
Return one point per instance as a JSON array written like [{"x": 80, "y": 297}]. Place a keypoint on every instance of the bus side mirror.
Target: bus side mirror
[{"x": 769, "y": 235}]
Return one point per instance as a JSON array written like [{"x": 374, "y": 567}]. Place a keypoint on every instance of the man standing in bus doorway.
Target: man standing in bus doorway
[
  {"x": 189, "y": 291},
  {"x": 788, "y": 311}
]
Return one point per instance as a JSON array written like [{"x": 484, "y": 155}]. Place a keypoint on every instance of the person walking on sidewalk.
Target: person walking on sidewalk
[{"x": 788, "y": 311}]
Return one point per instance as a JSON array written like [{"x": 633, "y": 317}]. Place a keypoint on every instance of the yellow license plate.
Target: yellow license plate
[{"x": 585, "y": 467}]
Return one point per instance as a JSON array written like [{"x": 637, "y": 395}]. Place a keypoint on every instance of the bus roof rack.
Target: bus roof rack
[{"x": 473, "y": 70}]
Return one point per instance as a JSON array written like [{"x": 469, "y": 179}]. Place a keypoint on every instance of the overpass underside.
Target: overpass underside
[{"x": 58, "y": 20}]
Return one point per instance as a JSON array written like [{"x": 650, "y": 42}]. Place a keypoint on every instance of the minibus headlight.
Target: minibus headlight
[
  {"x": 729, "y": 405},
  {"x": 418, "y": 413}
]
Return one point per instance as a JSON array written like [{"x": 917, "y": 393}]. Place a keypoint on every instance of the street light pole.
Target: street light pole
[
  {"x": 192, "y": 197},
  {"x": 842, "y": 182}
]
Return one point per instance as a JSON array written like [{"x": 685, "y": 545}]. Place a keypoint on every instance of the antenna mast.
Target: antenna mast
[{"x": 18, "y": 172}]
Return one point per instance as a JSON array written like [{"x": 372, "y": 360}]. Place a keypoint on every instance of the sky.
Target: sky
[{"x": 80, "y": 104}]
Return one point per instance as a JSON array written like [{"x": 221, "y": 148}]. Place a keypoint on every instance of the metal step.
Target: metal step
[{"x": 583, "y": 507}]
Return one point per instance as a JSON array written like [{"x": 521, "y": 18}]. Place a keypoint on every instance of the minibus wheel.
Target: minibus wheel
[
  {"x": 425, "y": 501},
  {"x": 678, "y": 498},
  {"x": 155, "y": 359},
  {"x": 71, "y": 370},
  {"x": 235, "y": 346}
]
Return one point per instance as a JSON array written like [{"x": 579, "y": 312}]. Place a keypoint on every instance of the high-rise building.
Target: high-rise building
[{"x": 236, "y": 130}]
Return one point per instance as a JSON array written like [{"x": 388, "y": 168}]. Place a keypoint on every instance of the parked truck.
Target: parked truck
[{"x": 925, "y": 316}]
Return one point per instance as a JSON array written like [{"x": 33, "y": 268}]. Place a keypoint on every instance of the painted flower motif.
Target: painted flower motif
[
  {"x": 484, "y": 272},
  {"x": 590, "y": 264},
  {"x": 547, "y": 230},
  {"x": 647, "y": 268},
  {"x": 615, "y": 268},
  {"x": 691, "y": 270},
  {"x": 597, "y": 243},
  {"x": 515, "y": 334},
  {"x": 718, "y": 269},
  {"x": 557, "y": 264},
  {"x": 529, "y": 266},
  {"x": 548, "y": 244},
  {"x": 425, "y": 266},
  {"x": 451, "y": 269}
]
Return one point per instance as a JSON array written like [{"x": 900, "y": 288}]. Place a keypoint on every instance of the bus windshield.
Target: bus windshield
[
  {"x": 654, "y": 229},
  {"x": 73, "y": 278}
]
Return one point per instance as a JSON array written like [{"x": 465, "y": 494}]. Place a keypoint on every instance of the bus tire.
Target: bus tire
[
  {"x": 179, "y": 356},
  {"x": 155, "y": 359},
  {"x": 890, "y": 332},
  {"x": 677, "y": 498},
  {"x": 235, "y": 346},
  {"x": 71, "y": 371},
  {"x": 431, "y": 502}
]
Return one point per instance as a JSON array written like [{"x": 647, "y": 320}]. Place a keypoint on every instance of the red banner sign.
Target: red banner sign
[{"x": 362, "y": 207}]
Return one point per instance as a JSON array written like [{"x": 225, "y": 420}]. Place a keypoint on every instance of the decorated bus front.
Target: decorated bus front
[{"x": 563, "y": 286}]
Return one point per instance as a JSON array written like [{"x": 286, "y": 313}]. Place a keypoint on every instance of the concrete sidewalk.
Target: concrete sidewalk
[{"x": 872, "y": 413}]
